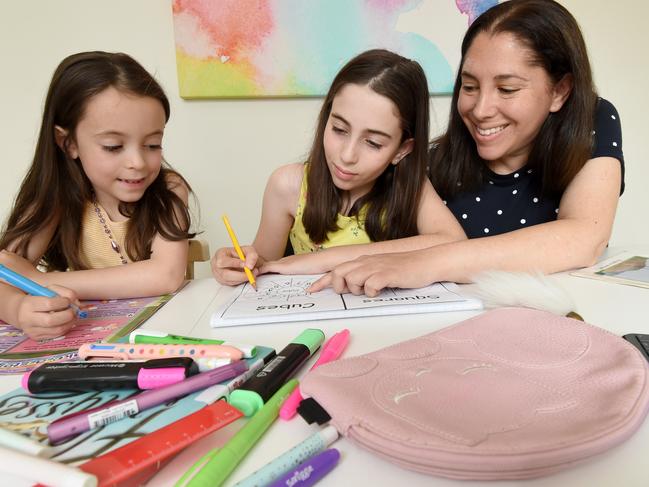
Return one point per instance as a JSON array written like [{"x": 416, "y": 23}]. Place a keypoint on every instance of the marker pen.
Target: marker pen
[
  {"x": 252, "y": 394},
  {"x": 108, "y": 375},
  {"x": 162, "y": 338},
  {"x": 290, "y": 459},
  {"x": 125, "y": 351},
  {"x": 76, "y": 423},
  {"x": 33, "y": 288},
  {"x": 309, "y": 472}
]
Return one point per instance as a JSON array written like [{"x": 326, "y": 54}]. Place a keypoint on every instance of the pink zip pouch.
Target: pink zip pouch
[{"x": 510, "y": 394}]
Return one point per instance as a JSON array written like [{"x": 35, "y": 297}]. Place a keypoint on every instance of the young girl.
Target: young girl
[
  {"x": 364, "y": 181},
  {"x": 531, "y": 161},
  {"x": 98, "y": 200}
]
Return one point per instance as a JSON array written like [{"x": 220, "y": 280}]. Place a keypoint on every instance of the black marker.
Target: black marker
[
  {"x": 253, "y": 393},
  {"x": 108, "y": 375}
]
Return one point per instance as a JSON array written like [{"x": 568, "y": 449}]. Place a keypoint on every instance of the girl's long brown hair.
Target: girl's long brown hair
[
  {"x": 393, "y": 201},
  {"x": 56, "y": 188},
  {"x": 564, "y": 142}
]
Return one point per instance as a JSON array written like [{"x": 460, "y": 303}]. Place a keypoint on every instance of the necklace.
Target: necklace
[{"x": 113, "y": 243}]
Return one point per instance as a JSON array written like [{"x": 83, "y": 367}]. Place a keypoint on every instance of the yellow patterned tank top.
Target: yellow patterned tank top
[
  {"x": 94, "y": 248},
  {"x": 351, "y": 229}
]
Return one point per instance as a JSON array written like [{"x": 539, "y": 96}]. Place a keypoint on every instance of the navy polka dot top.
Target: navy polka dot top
[{"x": 513, "y": 201}]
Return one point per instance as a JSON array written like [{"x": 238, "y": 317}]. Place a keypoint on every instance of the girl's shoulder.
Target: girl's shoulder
[{"x": 287, "y": 179}]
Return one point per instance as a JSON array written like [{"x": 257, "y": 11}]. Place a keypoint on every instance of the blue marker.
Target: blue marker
[{"x": 33, "y": 288}]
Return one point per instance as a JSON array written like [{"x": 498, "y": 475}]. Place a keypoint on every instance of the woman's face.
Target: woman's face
[{"x": 504, "y": 99}]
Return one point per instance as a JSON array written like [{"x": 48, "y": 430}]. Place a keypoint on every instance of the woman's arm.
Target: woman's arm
[
  {"x": 575, "y": 239},
  {"x": 435, "y": 223},
  {"x": 277, "y": 216}
]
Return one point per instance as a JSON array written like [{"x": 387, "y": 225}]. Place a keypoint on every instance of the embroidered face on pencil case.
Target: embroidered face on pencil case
[{"x": 510, "y": 394}]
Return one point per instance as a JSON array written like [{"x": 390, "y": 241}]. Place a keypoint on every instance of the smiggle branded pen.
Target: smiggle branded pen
[
  {"x": 108, "y": 375},
  {"x": 253, "y": 393},
  {"x": 162, "y": 338},
  {"x": 124, "y": 351}
]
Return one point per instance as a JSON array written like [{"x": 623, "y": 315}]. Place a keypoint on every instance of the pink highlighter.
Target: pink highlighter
[{"x": 330, "y": 352}]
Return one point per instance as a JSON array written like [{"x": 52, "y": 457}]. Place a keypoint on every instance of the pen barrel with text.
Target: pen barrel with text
[
  {"x": 119, "y": 351},
  {"x": 313, "y": 445},
  {"x": 259, "y": 388},
  {"x": 76, "y": 423},
  {"x": 83, "y": 376}
]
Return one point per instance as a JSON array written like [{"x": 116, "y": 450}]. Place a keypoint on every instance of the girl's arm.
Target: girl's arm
[
  {"x": 575, "y": 239},
  {"x": 163, "y": 273},
  {"x": 435, "y": 223},
  {"x": 39, "y": 317},
  {"x": 277, "y": 216}
]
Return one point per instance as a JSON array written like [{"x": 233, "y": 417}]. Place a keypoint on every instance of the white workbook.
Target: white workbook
[{"x": 284, "y": 298}]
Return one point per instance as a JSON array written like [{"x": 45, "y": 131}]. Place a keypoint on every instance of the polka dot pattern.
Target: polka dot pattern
[{"x": 508, "y": 202}]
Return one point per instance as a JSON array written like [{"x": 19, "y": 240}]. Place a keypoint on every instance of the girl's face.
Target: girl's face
[
  {"x": 504, "y": 99},
  {"x": 118, "y": 141},
  {"x": 362, "y": 137}
]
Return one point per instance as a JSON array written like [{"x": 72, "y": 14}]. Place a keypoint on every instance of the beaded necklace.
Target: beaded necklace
[{"x": 113, "y": 244}]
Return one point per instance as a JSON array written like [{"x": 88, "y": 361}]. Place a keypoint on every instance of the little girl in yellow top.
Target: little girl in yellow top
[
  {"x": 98, "y": 200},
  {"x": 364, "y": 181}
]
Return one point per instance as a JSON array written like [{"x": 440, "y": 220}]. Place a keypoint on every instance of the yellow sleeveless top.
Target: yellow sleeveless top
[
  {"x": 351, "y": 229},
  {"x": 94, "y": 248}
]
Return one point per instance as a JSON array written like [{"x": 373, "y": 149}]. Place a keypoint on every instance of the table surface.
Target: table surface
[{"x": 618, "y": 308}]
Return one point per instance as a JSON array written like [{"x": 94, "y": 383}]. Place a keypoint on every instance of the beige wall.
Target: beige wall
[{"x": 227, "y": 149}]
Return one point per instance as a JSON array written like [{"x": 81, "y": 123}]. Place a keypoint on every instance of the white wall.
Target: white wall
[{"x": 227, "y": 149}]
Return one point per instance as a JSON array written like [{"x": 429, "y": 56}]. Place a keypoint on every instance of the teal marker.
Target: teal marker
[
  {"x": 253, "y": 393},
  {"x": 217, "y": 465},
  {"x": 33, "y": 288},
  {"x": 153, "y": 337}
]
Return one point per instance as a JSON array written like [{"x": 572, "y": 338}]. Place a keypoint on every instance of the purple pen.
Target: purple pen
[
  {"x": 310, "y": 471},
  {"x": 76, "y": 423}
]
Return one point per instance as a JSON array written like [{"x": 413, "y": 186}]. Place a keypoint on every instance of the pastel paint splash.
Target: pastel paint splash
[
  {"x": 474, "y": 8},
  {"x": 275, "y": 48}
]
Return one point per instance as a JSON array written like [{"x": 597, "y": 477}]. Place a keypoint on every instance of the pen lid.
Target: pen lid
[
  {"x": 132, "y": 338},
  {"x": 311, "y": 338},
  {"x": 186, "y": 363}
]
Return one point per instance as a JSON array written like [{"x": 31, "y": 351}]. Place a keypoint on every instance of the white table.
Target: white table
[{"x": 617, "y": 308}]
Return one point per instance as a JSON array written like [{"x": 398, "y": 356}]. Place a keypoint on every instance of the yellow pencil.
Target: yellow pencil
[{"x": 235, "y": 243}]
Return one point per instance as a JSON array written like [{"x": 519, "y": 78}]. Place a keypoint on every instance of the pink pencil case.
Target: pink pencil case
[{"x": 510, "y": 394}]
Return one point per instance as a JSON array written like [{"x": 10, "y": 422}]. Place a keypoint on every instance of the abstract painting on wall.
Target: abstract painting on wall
[{"x": 294, "y": 48}]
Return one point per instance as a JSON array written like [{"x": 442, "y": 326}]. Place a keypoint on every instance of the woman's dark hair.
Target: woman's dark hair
[
  {"x": 564, "y": 142},
  {"x": 395, "y": 196},
  {"x": 56, "y": 187}
]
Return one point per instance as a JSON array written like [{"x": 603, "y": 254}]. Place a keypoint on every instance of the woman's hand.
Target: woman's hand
[
  {"x": 227, "y": 268},
  {"x": 370, "y": 274},
  {"x": 41, "y": 317}
]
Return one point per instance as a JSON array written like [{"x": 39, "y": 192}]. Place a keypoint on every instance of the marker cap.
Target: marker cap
[
  {"x": 311, "y": 338},
  {"x": 248, "y": 402}
]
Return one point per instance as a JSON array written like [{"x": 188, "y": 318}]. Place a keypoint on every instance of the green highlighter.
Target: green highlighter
[
  {"x": 161, "y": 338},
  {"x": 253, "y": 393},
  {"x": 217, "y": 465}
]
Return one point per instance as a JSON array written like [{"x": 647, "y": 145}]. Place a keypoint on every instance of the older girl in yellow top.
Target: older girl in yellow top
[{"x": 364, "y": 181}]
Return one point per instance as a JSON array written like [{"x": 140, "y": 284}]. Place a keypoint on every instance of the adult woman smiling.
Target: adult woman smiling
[{"x": 531, "y": 160}]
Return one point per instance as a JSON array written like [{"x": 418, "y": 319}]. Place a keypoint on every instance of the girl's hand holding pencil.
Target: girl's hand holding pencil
[{"x": 228, "y": 268}]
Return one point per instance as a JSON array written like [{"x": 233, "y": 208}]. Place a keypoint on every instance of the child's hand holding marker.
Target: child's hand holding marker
[
  {"x": 42, "y": 317},
  {"x": 41, "y": 312}
]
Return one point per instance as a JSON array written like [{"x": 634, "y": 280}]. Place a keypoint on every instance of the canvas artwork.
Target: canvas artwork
[{"x": 290, "y": 48}]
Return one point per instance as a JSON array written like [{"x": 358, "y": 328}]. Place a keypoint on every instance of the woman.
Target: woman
[{"x": 531, "y": 160}]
